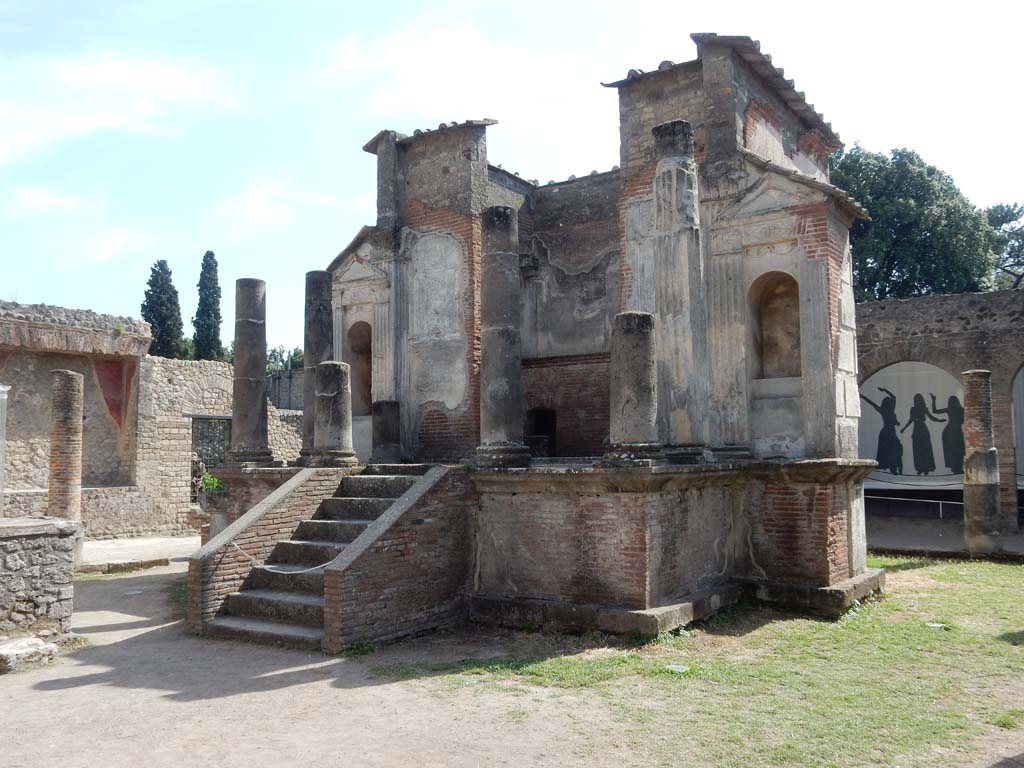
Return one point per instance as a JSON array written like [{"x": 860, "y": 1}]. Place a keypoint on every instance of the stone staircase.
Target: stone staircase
[{"x": 282, "y": 601}]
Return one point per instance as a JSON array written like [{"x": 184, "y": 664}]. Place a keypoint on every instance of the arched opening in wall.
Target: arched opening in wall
[
  {"x": 541, "y": 428},
  {"x": 911, "y": 423},
  {"x": 1017, "y": 401},
  {"x": 360, "y": 356},
  {"x": 775, "y": 326}
]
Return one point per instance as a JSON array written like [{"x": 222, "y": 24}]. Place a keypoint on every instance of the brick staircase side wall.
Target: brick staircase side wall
[
  {"x": 411, "y": 574},
  {"x": 219, "y": 569}
]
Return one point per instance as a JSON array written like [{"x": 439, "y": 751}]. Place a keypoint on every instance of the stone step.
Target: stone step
[
  {"x": 305, "y": 553},
  {"x": 287, "y": 578},
  {"x": 396, "y": 469},
  {"x": 376, "y": 485},
  {"x": 340, "y": 531},
  {"x": 352, "y": 508},
  {"x": 275, "y": 605},
  {"x": 263, "y": 631}
]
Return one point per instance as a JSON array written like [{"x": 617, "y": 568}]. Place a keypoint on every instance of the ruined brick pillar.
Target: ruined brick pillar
[
  {"x": 66, "y": 445},
  {"x": 633, "y": 390},
  {"x": 332, "y": 436},
  {"x": 981, "y": 466},
  {"x": 387, "y": 437},
  {"x": 318, "y": 347},
  {"x": 249, "y": 441},
  {"x": 501, "y": 356}
]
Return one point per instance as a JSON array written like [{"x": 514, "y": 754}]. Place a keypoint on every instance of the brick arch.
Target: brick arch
[{"x": 909, "y": 351}]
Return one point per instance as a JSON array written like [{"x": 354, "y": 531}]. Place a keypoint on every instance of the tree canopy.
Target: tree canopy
[
  {"x": 206, "y": 323},
  {"x": 924, "y": 235},
  {"x": 279, "y": 359},
  {"x": 1008, "y": 221},
  {"x": 161, "y": 310}
]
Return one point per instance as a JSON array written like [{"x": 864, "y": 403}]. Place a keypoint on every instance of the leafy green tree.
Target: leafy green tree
[
  {"x": 161, "y": 310},
  {"x": 280, "y": 359},
  {"x": 206, "y": 322},
  {"x": 924, "y": 235},
  {"x": 1008, "y": 221}
]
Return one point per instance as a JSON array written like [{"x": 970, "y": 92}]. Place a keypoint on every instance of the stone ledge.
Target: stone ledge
[
  {"x": 122, "y": 566},
  {"x": 832, "y": 601},
  {"x": 21, "y": 527},
  {"x": 520, "y": 612}
]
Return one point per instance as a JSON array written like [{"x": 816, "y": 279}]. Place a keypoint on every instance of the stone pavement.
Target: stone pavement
[
  {"x": 112, "y": 555},
  {"x": 913, "y": 535}
]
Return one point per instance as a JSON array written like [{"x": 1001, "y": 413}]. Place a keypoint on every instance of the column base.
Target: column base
[
  {"x": 305, "y": 457},
  {"x": 633, "y": 455},
  {"x": 684, "y": 454},
  {"x": 389, "y": 453},
  {"x": 502, "y": 455},
  {"x": 333, "y": 459},
  {"x": 252, "y": 459}
]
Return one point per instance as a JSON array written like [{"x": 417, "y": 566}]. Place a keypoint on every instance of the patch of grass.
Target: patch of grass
[
  {"x": 756, "y": 687},
  {"x": 359, "y": 649},
  {"x": 177, "y": 598}
]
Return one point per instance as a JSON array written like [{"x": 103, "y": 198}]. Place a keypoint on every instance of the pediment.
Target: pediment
[
  {"x": 769, "y": 195},
  {"x": 356, "y": 269}
]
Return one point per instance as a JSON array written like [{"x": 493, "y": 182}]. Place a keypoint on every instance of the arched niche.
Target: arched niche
[
  {"x": 775, "y": 327},
  {"x": 360, "y": 356}
]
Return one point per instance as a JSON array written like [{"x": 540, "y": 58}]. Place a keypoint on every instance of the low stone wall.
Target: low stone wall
[
  {"x": 36, "y": 574},
  {"x": 409, "y": 571},
  {"x": 219, "y": 569}
]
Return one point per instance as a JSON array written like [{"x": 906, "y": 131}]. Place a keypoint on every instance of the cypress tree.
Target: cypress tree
[
  {"x": 162, "y": 311},
  {"x": 206, "y": 338}
]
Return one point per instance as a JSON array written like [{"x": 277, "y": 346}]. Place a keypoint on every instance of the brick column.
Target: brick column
[
  {"x": 981, "y": 466},
  {"x": 65, "y": 498},
  {"x": 501, "y": 356},
  {"x": 332, "y": 436},
  {"x": 249, "y": 441},
  {"x": 318, "y": 347},
  {"x": 633, "y": 391}
]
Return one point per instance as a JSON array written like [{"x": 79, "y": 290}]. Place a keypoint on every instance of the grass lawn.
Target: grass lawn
[{"x": 913, "y": 679}]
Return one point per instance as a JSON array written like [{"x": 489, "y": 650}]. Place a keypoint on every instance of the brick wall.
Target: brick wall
[
  {"x": 799, "y": 532},
  {"x": 413, "y": 577},
  {"x": 220, "y": 569},
  {"x": 956, "y": 333},
  {"x": 576, "y": 388}
]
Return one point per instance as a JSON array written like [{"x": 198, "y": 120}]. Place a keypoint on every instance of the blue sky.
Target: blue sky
[{"x": 137, "y": 131}]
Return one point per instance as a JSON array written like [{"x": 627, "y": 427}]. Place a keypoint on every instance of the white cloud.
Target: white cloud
[
  {"x": 269, "y": 206},
  {"x": 30, "y": 200},
  {"x": 436, "y": 75},
  {"x": 106, "y": 247},
  {"x": 49, "y": 101}
]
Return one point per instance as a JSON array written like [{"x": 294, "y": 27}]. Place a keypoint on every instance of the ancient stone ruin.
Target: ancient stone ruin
[{"x": 621, "y": 401}]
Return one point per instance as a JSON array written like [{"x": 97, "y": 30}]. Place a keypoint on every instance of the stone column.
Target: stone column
[
  {"x": 66, "y": 445},
  {"x": 677, "y": 271},
  {"x": 249, "y": 443},
  {"x": 332, "y": 436},
  {"x": 501, "y": 363},
  {"x": 633, "y": 391},
  {"x": 387, "y": 431},
  {"x": 318, "y": 347},
  {"x": 981, "y": 466}
]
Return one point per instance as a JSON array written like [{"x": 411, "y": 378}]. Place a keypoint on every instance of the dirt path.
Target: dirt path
[{"x": 147, "y": 693}]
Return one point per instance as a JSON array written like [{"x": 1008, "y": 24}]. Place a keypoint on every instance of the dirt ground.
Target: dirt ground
[{"x": 147, "y": 693}]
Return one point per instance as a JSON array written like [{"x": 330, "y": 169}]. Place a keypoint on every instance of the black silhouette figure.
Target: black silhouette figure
[
  {"x": 921, "y": 438},
  {"x": 890, "y": 449},
  {"x": 953, "y": 435}
]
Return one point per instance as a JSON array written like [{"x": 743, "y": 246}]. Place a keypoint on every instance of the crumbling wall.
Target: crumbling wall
[{"x": 36, "y": 573}]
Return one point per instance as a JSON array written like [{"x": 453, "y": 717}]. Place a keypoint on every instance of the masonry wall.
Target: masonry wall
[
  {"x": 36, "y": 575},
  {"x": 110, "y": 406},
  {"x": 284, "y": 388},
  {"x": 158, "y": 502},
  {"x": 414, "y": 578},
  {"x": 956, "y": 333},
  {"x": 576, "y": 389}
]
